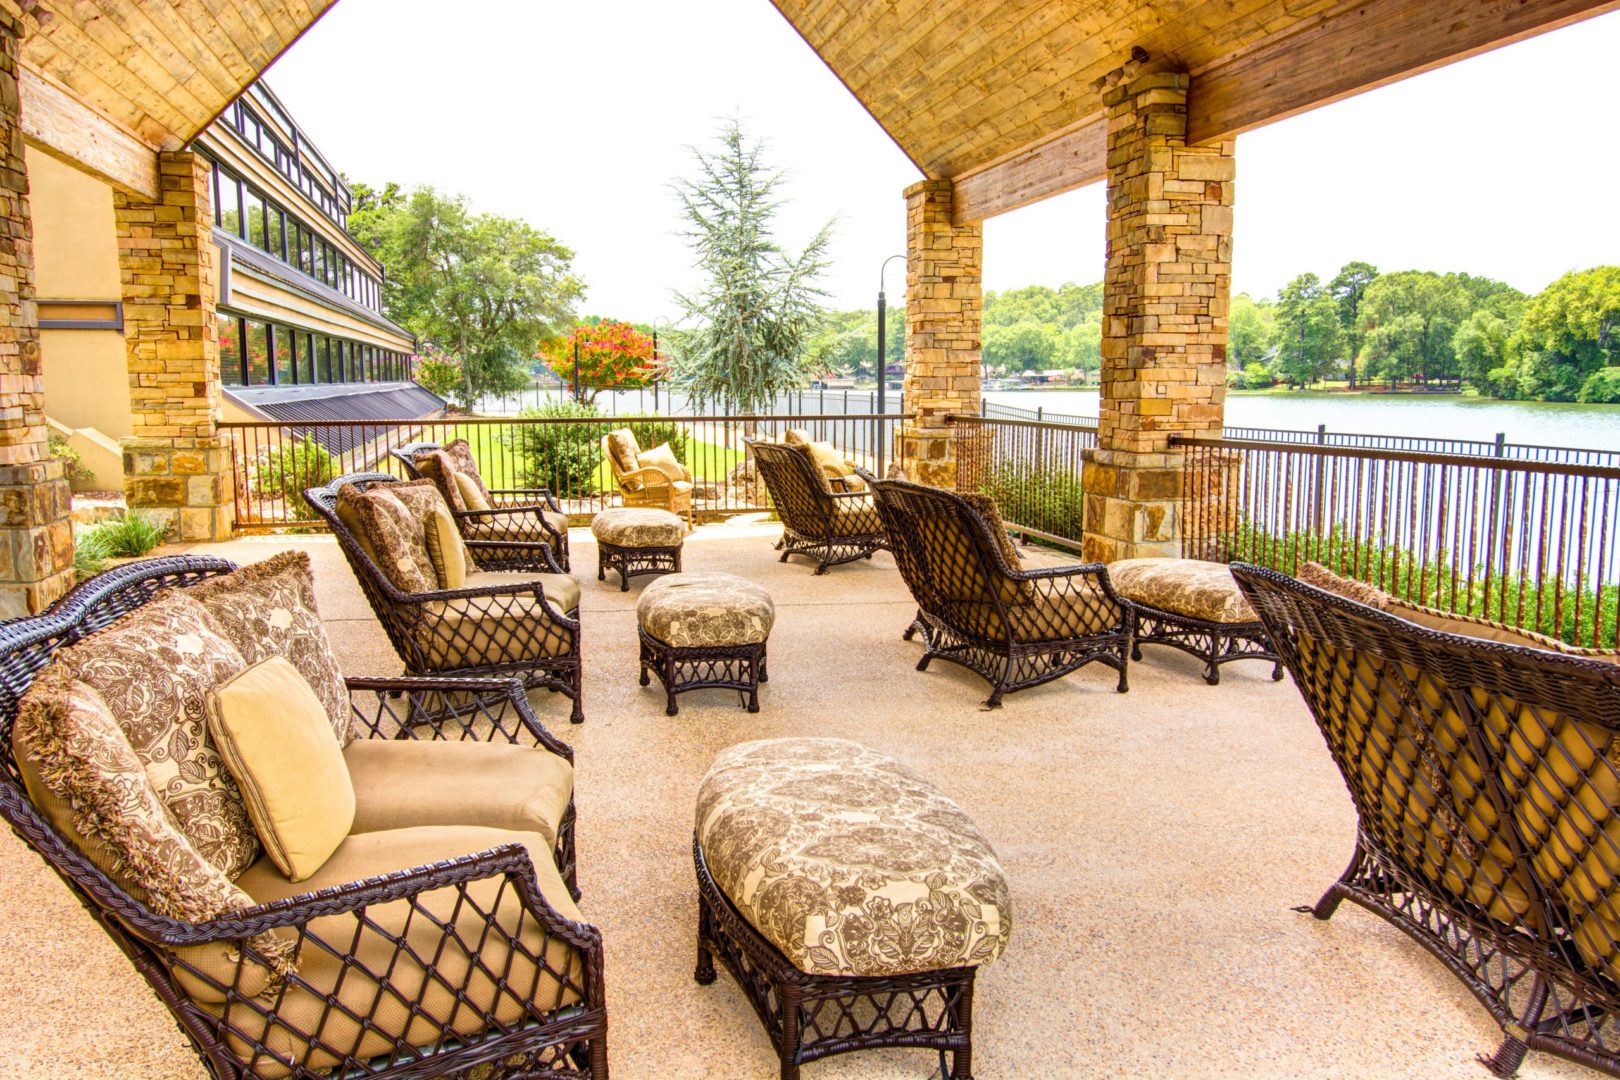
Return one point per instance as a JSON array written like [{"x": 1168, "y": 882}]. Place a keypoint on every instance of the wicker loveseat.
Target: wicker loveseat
[
  {"x": 1486, "y": 781},
  {"x": 830, "y": 527},
  {"x": 978, "y": 607},
  {"x": 515, "y": 528},
  {"x": 439, "y": 938},
  {"x": 493, "y": 622}
]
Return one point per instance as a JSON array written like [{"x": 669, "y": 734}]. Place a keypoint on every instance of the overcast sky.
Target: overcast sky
[{"x": 577, "y": 117}]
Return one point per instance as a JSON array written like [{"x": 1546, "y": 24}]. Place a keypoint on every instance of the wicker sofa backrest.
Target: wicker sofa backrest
[
  {"x": 1486, "y": 775},
  {"x": 795, "y": 488},
  {"x": 946, "y": 554},
  {"x": 406, "y": 456}
]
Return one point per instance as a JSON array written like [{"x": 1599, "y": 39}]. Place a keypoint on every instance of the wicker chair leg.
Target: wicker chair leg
[
  {"x": 1507, "y": 1059},
  {"x": 1510, "y": 1055},
  {"x": 789, "y": 1017},
  {"x": 1330, "y": 900},
  {"x": 1277, "y": 671},
  {"x": 1124, "y": 672},
  {"x": 577, "y": 716},
  {"x": 599, "y": 1057}
]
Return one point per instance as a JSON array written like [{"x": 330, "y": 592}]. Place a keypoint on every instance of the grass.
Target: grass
[
  {"x": 125, "y": 535},
  {"x": 500, "y": 465}
]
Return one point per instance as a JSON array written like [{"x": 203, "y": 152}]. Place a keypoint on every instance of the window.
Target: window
[
  {"x": 286, "y": 371},
  {"x": 255, "y": 220},
  {"x": 323, "y": 357},
  {"x": 275, "y": 221},
  {"x": 340, "y": 369},
  {"x": 306, "y": 357},
  {"x": 258, "y": 353},
  {"x": 229, "y": 204},
  {"x": 320, "y": 260},
  {"x": 306, "y": 251},
  {"x": 228, "y": 328}
]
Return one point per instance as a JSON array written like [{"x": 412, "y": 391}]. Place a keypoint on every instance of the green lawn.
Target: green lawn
[{"x": 501, "y": 468}]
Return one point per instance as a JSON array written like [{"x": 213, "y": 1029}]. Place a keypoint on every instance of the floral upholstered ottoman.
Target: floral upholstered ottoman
[
  {"x": 849, "y": 898},
  {"x": 1194, "y": 606},
  {"x": 705, "y": 630},
  {"x": 637, "y": 540}
]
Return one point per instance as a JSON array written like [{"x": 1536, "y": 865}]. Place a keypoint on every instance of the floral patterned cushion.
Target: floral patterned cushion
[
  {"x": 435, "y": 465},
  {"x": 623, "y": 449},
  {"x": 154, "y": 669},
  {"x": 638, "y": 527},
  {"x": 267, "y": 610},
  {"x": 459, "y": 452},
  {"x": 849, "y": 863},
  {"x": 82, "y": 756},
  {"x": 1206, "y": 591},
  {"x": 394, "y": 533},
  {"x": 705, "y": 609}
]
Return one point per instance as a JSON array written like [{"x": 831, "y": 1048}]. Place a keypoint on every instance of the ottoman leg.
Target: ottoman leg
[
  {"x": 765, "y": 675},
  {"x": 962, "y": 1060},
  {"x": 704, "y": 974},
  {"x": 670, "y": 708},
  {"x": 753, "y": 683},
  {"x": 790, "y": 1031},
  {"x": 646, "y": 659}
]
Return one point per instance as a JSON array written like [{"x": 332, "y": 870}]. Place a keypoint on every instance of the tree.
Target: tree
[
  {"x": 1251, "y": 332},
  {"x": 1079, "y": 348},
  {"x": 487, "y": 289},
  {"x": 758, "y": 308},
  {"x": 612, "y": 356},
  {"x": 1486, "y": 345},
  {"x": 1411, "y": 317},
  {"x": 1347, "y": 289},
  {"x": 1308, "y": 334},
  {"x": 440, "y": 374},
  {"x": 1019, "y": 347},
  {"x": 1570, "y": 333}
]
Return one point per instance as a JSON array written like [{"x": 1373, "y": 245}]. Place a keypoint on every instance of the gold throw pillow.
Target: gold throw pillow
[{"x": 471, "y": 493}]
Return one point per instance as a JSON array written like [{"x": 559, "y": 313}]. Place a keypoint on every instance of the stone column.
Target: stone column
[
  {"x": 1165, "y": 296},
  {"x": 176, "y": 465},
  {"x": 944, "y": 310},
  {"x": 36, "y": 536}
]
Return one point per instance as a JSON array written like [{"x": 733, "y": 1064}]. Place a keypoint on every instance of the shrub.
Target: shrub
[
  {"x": 1602, "y": 387},
  {"x": 77, "y": 471},
  {"x": 1047, "y": 499},
  {"x": 284, "y": 473},
  {"x": 90, "y": 552},
  {"x": 562, "y": 457},
  {"x": 127, "y": 534}
]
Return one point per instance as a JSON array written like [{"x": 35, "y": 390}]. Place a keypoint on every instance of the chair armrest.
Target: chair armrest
[
  {"x": 653, "y": 476},
  {"x": 535, "y": 548},
  {"x": 542, "y": 495},
  {"x": 849, "y": 494},
  {"x": 449, "y": 709},
  {"x": 447, "y": 595},
  {"x": 1052, "y": 579}
]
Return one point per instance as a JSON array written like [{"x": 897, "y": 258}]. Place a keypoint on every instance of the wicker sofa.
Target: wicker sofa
[
  {"x": 1485, "y": 776},
  {"x": 440, "y": 937}
]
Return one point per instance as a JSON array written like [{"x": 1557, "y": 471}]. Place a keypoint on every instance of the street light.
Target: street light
[
  {"x": 883, "y": 357},
  {"x": 666, "y": 321}
]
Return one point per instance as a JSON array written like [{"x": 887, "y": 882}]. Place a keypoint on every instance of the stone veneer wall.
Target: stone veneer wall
[
  {"x": 176, "y": 465},
  {"x": 944, "y": 313},
  {"x": 36, "y": 536},
  {"x": 1165, "y": 296}
]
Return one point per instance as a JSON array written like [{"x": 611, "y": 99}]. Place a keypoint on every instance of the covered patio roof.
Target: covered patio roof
[{"x": 1006, "y": 98}]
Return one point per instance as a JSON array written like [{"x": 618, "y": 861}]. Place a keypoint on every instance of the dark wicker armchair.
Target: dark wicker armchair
[
  {"x": 489, "y": 978},
  {"x": 503, "y": 624},
  {"x": 975, "y": 607},
  {"x": 528, "y": 521},
  {"x": 830, "y": 527},
  {"x": 1486, "y": 782}
]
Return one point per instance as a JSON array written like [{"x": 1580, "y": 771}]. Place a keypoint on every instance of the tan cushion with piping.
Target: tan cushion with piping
[
  {"x": 662, "y": 457},
  {"x": 436, "y": 466},
  {"x": 310, "y": 1031},
  {"x": 473, "y": 632},
  {"x": 446, "y": 549},
  {"x": 395, "y": 534},
  {"x": 797, "y": 436},
  {"x": 638, "y": 527},
  {"x": 400, "y": 783},
  {"x": 471, "y": 493},
  {"x": 562, "y": 590},
  {"x": 1206, "y": 591},
  {"x": 274, "y": 736},
  {"x": 829, "y": 461},
  {"x": 463, "y": 462}
]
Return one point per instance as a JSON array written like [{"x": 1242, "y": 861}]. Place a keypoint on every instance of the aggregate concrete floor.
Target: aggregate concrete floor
[{"x": 1155, "y": 842}]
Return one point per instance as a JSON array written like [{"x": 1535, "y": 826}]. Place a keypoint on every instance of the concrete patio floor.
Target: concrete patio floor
[{"x": 1155, "y": 842}]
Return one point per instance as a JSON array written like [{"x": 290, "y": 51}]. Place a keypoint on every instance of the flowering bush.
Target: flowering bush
[
  {"x": 612, "y": 356},
  {"x": 440, "y": 373}
]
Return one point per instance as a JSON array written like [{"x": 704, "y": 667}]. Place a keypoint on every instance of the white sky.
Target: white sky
[{"x": 576, "y": 117}]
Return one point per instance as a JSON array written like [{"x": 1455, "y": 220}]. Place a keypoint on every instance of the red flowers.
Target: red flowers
[{"x": 612, "y": 356}]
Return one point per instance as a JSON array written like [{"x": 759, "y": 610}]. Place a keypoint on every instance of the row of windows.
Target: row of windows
[
  {"x": 257, "y": 353},
  {"x": 329, "y": 195},
  {"x": 244, "y": 210}
]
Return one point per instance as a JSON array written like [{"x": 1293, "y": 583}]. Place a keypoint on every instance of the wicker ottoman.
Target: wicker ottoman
[
  {"x": 705, "y": 631},
  {"x": 1196, "y": 607},
  {"x": 637, "y": 540},
  {"x": 848, "y": 898}
]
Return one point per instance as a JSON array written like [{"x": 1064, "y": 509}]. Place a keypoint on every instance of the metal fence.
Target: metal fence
[
  {"x": 1528, "y": 543},
  {"x": 1031, "y": 468},
  {"x": 272, "y": 463}
]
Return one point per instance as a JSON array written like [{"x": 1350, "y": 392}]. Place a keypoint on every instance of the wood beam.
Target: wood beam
[
  {"x": 1354, "y": 47},
  {"x": 53, "y": 121}
]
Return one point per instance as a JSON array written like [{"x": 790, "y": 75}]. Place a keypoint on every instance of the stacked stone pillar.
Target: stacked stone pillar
[
  {"x": 36, "y": 536},
  {"x": 944, "y": 314},
  {"x": 1165, "y": 296},
  {"x": 176, "y": 465}
]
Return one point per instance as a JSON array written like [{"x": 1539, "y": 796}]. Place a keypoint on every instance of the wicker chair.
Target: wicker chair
[
  {"x": 529, "y": 521},
  {"x": 237, "y": 1034},
  {"x": 1486, "y": 782},
  {"x": 830, "y": 527},
  {"x": 504, "y": 625},
  {"x": 1015, "y": 628},
  {"x": 646, "y": 485}
]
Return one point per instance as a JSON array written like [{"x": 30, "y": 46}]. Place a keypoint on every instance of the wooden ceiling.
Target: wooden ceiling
[
  {"x": 1004, "y": 95},
  {"x": 144, "y": 73}
]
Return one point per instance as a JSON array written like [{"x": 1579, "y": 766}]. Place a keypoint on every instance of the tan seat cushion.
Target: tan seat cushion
[
  {"x": 83, "y": 776},
  {"x": 1206, "y": 591},
  {"x": 705, "y": 609},
  {"x": 154, "y": 669},
  {"x": 562, "y": 590},
  {"x": 276, "y": 740},
  {"x": 849, "y": 863},
  {"x": 268, "y": 609},
  {"x": 405, "y": 782},
  {"x": 411, "y": 1006},
  {"x": 638, "y": 527},
  {"x": 1081, "y": 610},
  {"x": 503, "y": 629}
]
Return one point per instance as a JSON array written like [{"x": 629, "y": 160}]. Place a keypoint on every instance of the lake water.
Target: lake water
[{"x": 1435, "y": 417}]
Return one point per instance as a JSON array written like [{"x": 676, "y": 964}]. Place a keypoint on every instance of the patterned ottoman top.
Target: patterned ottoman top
[
  {"x": 705, "y": 609},
  {"x": 849, "y": 863},
  {"x": 1201, "y": 590},
  {"x": 636, "y": 527}
]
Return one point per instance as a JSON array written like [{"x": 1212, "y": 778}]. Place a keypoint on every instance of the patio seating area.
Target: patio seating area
[{"x": 1154, "y": 843}]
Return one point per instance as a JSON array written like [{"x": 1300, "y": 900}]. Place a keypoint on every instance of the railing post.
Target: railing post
[
  {"x": 1501, "y": 444},
  {"x": 1321, "y": 477}
]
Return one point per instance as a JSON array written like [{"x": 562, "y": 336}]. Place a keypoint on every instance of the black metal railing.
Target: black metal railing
[
  {"x": 1031, "y": 468},
  {"x": 272, "y": 463}
]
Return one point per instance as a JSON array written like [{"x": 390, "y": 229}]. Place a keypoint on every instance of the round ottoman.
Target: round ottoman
[
  {"x": 637, "y": 540},
  {"x": 705, "y": 630},
  {"x": 1194, "y": 606}
]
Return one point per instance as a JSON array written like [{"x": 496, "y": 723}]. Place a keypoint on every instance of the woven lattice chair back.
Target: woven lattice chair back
[
  {"x": 406, "y": 456},
  {"x": 1486, "y": 775},
  {"x": 795, "y": 489}
]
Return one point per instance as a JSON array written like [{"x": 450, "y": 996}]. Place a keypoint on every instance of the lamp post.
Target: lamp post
[
  {"x": 576, "y": 368},
  {"x": 665, "y": 320},
  {"x": 883, "y": 357}
]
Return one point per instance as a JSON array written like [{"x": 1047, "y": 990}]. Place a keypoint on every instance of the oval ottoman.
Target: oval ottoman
[
  {"x": 850, "y": 899},
  {"x": 637, "y": 540},
  {"x": 705, "y": 630}
]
